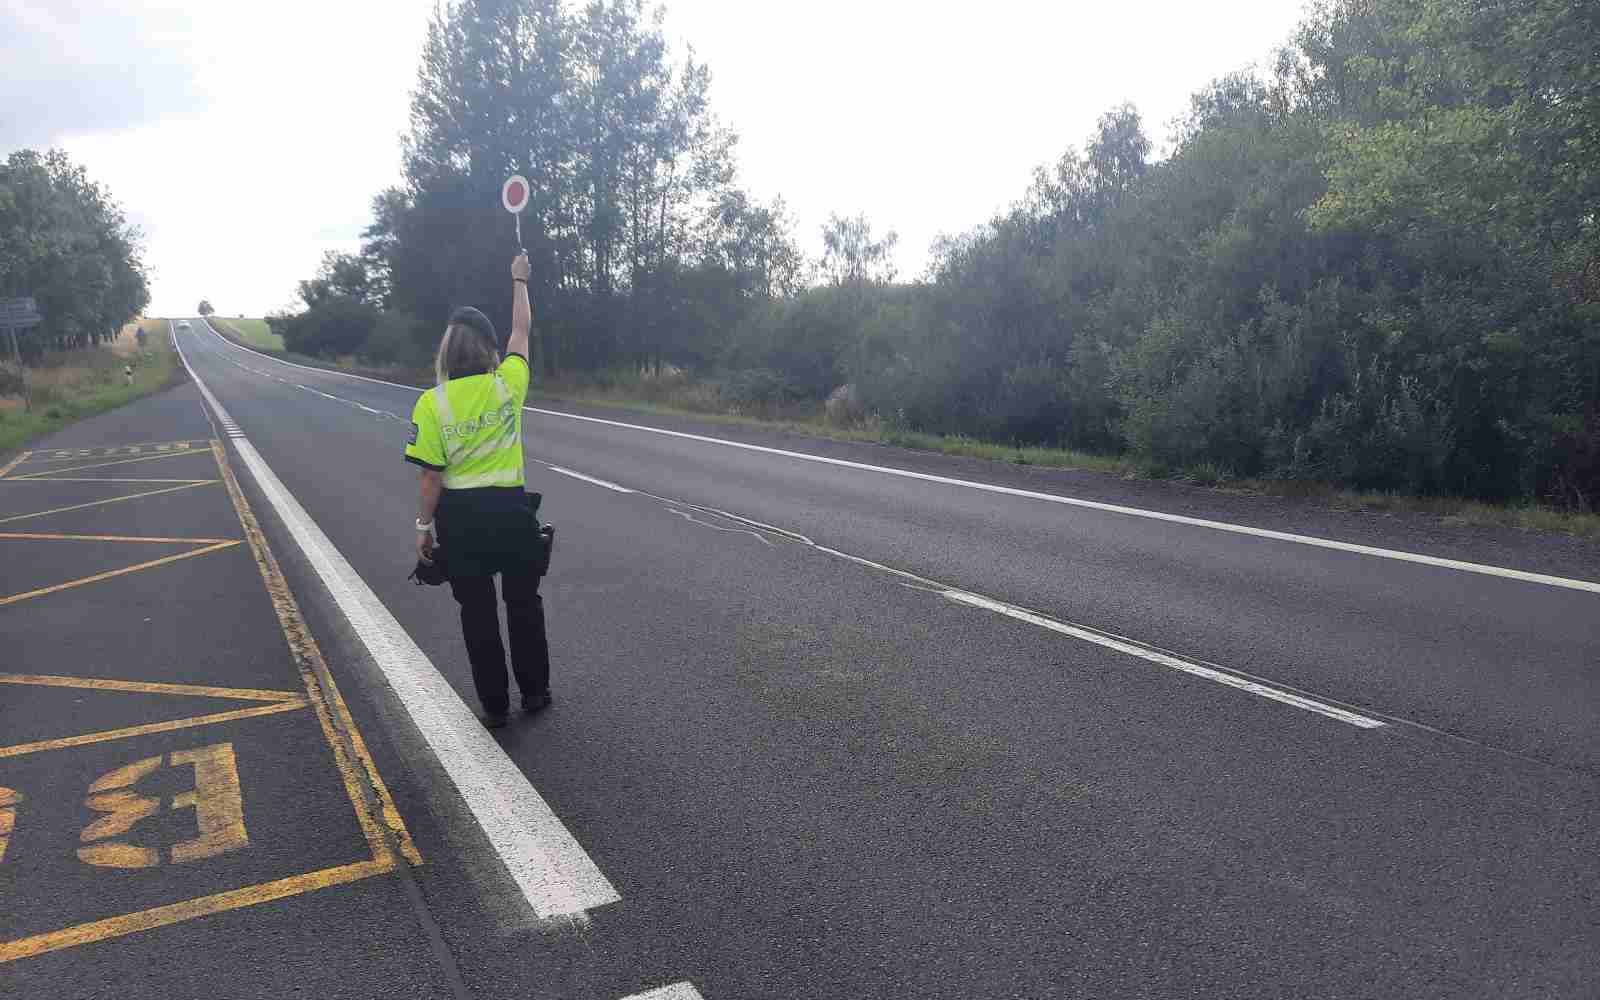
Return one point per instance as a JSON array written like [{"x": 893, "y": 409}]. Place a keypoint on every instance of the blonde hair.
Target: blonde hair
[{"x": 464, "y": 351}]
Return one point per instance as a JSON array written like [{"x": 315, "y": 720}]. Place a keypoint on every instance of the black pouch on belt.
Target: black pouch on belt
[{"x": 545, "y": 542}]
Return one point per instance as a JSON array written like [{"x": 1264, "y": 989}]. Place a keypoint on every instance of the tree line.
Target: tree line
[
  {"x": 1374, "y": 262},
  {"x": 65, "y": 243}
]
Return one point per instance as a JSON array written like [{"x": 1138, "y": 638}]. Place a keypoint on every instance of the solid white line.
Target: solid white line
[
  {"x": 1121, "y": 644},
  {"x": 1117, "y": 643},
  {"x": 554, "y": 873},
  {"x": 1398, "y": 555},
  {"x": 677, "y": 991},
  {"x": 1164, "y": 659},
  {"x": 1198, "y": 522},
  {"x": 587, "y": 479}
]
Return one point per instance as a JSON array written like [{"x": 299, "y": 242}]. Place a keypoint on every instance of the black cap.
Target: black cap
[{"x": 468, "y": 316}]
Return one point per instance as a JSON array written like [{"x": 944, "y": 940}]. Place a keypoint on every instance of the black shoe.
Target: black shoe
[
  {"x": 532, "y": 703},
  {"x": 495, "y": 720}
]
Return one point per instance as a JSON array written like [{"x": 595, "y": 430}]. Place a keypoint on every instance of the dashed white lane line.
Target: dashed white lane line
[
  {"x": 1121, "y": 644},
  {"x": 677, "y": 991},
  {"x": 1132, "y": 648},
  {"x": 587, "y": 479},
  {"x": 1398, "y": 555},
  {"x": 1084, "y": 633},
  {"x": 555, "y": 875}
]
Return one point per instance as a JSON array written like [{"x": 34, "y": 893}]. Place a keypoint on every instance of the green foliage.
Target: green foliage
[
  {"x": 64, "y": 241},
  {"x": 204, "y": 308},
  {"x": 850, "y": 256},
  {"x": 340, "y": 275},
  {"x": 1378, "y": 264},
  {"x": 644, "y": 252},
  {"x": 397, "y": 339},
  {"x": 337, "y": 326}
]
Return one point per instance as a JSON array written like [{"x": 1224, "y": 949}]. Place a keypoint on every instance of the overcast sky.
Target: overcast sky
[{"x": 247, "y": 138}]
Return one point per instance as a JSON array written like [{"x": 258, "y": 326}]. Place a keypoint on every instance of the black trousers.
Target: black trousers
[{"x": 480, "y": 625}]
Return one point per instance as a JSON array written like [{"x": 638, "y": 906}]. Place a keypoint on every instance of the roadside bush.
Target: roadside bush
[
  {"x": 1574, "y": 481},
  {"x": 336, "y": 327},
  {"x": 397, "y": 339},
  {"x": 1031, "y": 407},
  {"x": 1386, "y": 433},
  {"x": 759, "y": 390}
]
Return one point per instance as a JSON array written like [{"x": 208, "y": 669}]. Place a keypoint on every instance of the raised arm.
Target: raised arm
[{"x": 521, "y": 310}]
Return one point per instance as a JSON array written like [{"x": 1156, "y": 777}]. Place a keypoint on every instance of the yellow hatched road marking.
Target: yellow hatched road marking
[
  {"x": 77, "y": 454},
  {"x": 96, "y": 503},
  {"x": 323, "y": 691},
  {"x": 14, "y": 598},
  {"x": 56, "y": 537},
  {"x": 83, "y": 739},
  {"x": 101, "y": 479},
  {"x": 14, "y": 463},
  {"x": 150, "y": 687},
  {"x": 47, "y": 473},
  {"x": 161, "y": 916},
  {"x": 385, "y": 830}
]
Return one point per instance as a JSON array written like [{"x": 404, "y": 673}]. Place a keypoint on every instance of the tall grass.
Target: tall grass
[{"x": 70, "y": 385}]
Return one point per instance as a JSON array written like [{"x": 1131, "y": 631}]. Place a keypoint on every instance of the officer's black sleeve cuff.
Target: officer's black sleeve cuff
[
  {"x": 414, "y": 460},
  {"x": 517, "y": 354}
]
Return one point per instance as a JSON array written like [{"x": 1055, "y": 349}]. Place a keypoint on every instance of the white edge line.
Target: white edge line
[
  {"x": 1240, "y": 529},
  {"x": 1164, "y": 659},
  {"x": 1399, "y": 555},
  {"x": 587, "y": 479},
  {"x": 1113, "y": 642},
  {"x": 1021, "y": 614},
  {"x": 1110, "y": 641},
  {"x": 677, "y": 991},
  {"x": 1012, "y": 611},
  {"x": 554, "y": 873}
]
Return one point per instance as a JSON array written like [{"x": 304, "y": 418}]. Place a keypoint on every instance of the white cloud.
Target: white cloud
[
  {"x": 248, "y": 138},
  {"x": 73, "y": 66}
]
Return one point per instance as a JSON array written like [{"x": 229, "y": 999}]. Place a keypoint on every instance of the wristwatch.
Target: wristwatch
[{"x": 424, "y": 526}]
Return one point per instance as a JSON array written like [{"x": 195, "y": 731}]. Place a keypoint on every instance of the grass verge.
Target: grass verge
[
  {"x": 253, "y": 332},
  {"x": 808, "y": 419},
  {"x": 71, "y": 385}
]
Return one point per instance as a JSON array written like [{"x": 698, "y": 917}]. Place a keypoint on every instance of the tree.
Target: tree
[
  {"x": 625, "y": 161},
  {"x": 204, "y": 308},
  {"x": 65, "y": 242},
  {"x": 341, "y": 275},
  {"x": 852, "y": 257}
]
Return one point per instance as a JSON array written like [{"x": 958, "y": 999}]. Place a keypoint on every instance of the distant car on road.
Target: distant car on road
[{"x": 183, "y": 324}]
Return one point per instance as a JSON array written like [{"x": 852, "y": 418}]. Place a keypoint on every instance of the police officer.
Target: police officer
[{"x": 466, "y": 434}]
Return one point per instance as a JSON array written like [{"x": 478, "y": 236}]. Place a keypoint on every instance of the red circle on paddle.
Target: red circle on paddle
[{"x": 514, "y": 195}]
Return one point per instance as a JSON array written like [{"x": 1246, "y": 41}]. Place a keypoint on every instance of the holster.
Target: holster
[{"x": 545, "y": 543}]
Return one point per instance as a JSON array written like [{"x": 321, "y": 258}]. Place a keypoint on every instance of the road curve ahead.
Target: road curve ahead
[{"x": 856, "y": 723}]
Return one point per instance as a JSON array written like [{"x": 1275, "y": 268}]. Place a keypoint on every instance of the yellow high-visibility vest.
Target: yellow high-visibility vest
[{"x": 471, "y": 428}]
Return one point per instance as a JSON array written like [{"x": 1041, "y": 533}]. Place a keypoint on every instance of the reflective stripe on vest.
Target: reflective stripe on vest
[{"x": 460, "y": 448}]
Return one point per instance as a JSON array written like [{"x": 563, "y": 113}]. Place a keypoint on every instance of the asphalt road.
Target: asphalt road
[{"x": 806, "y": 729}]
